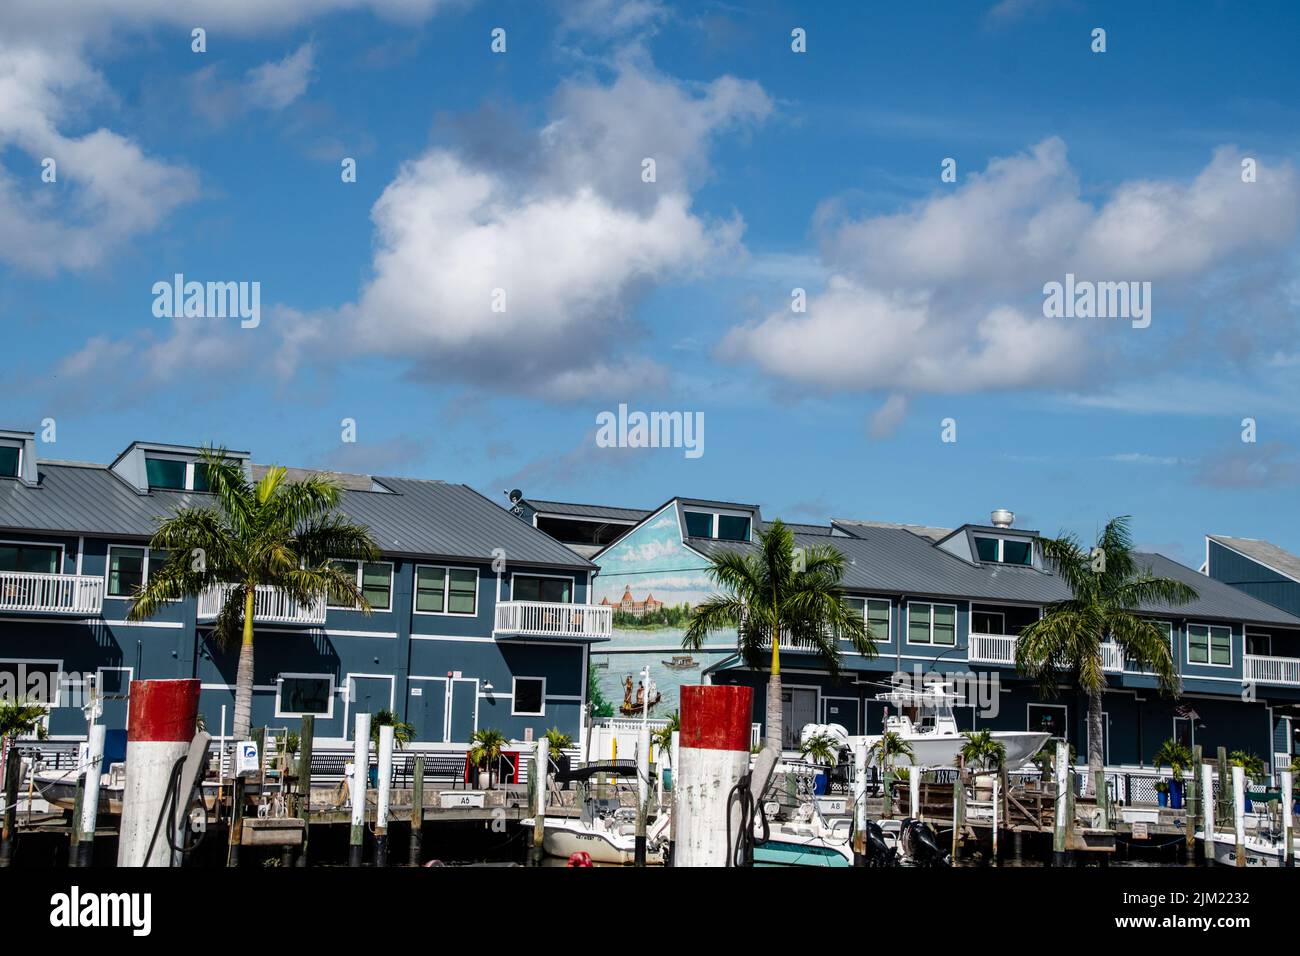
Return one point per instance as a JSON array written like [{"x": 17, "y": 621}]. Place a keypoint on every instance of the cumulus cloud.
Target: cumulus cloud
[
  {"x": 946, "y": 296},
  {"x": 525, "y": 277}
]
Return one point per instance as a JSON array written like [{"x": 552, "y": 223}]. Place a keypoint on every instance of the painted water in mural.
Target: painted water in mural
[{"x": 652, "y": 580}]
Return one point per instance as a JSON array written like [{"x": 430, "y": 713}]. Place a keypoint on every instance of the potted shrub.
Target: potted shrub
[
  {"x": 1253, "y": 765},
  {"x": 557, "y": 742},
  {"x": 820, "y": 750},
  {"x": 1162, "y": 792},
  {"x": 485, "y": 750},
  {"x": 1045, "y": 760},
  {"x": 1178, "y": 758},
  {"x": 985, "y": 755},
  {"x": 402, "y": 734}
]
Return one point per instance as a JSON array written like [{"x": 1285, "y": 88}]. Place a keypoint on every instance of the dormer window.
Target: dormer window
[
  {"x": 713, "y": 524},
  {"x": 176, "y": 474},
  {"x": 11, "y": 460},
  {"x": 1004, "y": 550}
]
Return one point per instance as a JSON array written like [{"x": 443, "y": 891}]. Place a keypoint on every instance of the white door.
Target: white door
[{"x": 798, "y": 707}]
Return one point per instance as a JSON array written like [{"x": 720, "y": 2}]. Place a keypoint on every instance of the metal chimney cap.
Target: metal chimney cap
[{"x": 1002, "y": 518}]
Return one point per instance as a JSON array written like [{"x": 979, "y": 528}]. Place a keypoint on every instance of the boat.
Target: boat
[
  {"x": 812, "y": 839},
  {"x": 681, "y": 662},
  {"x": 631, "y": 709},
  {"x": 606, "y": 832},
  {"x": 925, "y": 721},
  {"x": 1263, "y": 848},
  {"x": 59, "y": 788}
]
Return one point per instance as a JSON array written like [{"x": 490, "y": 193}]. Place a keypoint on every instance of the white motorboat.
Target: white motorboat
[
  {"x": 605, "y": 831},
  {"x": 1263, "y": 848},
  {"x": 924, "y": 719}
]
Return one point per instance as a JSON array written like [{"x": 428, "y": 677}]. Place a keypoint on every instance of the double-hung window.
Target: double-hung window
[
  {"x": 1209, "y": 644},
  {"x": 442, "y": 590},
  {"x": 373, "y": 578},
  {"x": 932, "y": 624}
]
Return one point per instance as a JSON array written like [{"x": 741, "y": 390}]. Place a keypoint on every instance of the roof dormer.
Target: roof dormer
[
  {"x": 719, "y": 520},
  {"x": 18, "y": 456},
  {"x": 995, "y": 543},
  {"x": 151, "y": 467}
]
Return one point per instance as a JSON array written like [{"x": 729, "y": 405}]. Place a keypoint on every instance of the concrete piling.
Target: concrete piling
[
  {"x": 1288, "y": 824},
  {"x": 85, "y": 822},
  {"x": 713, "y": 760},
  {"x": 1060, "y": 835},
  {"x": 1207, "y": 811},
  {"x": 159, "y": 731},
  {"x": 860, "y": 804},
  {"x": 360, "y": 775},
  {"x": 540, "y": 766},
  {"x": 642, "y": 793},
  {"x": 385, "y": 793}
]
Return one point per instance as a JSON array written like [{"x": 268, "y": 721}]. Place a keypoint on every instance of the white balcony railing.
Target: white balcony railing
[
  {"x": 1271, "y": 670},
  {"x": 992, "y": 648},
  {"x": 57, "y": 593},
  {"x": 271, "y": 605},
  {"x": 1112, "y": 657},
  {"x": 545, "y": 619}
]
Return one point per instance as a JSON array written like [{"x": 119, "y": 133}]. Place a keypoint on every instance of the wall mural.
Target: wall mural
[{"x": 652, "y": 580}]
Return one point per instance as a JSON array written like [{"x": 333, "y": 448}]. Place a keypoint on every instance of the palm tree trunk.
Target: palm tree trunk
[
  {"x": 244, "y": 674},
  {"x": 774, "y": 721},
  {"x": 1096, "y": 738}
]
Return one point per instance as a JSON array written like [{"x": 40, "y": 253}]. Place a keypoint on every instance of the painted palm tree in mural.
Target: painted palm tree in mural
[
  {"x": 285, "y": 534},
  {"x": 770, "y": 597},
  {"x": 1108, "y": 586}
]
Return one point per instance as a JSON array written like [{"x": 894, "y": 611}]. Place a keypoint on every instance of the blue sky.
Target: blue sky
[{"x": 775, "y": 170}]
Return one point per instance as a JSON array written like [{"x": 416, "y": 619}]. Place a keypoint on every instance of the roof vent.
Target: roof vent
[{"x": 1002, "y": 518}]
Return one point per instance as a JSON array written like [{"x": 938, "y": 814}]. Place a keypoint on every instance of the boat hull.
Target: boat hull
[
  {"x": 933, "y": 750},
  {"x": 562, "y": 842}
]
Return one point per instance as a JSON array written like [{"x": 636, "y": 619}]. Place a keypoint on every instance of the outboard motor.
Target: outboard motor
[
  {"x": 878, "y": 852},
  {"x": 921, "y": 845}
]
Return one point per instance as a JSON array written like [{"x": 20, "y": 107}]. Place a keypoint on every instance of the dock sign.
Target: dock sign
[
  {"x": 246, "y": 757},
  {"x": 452, "y": 800}
]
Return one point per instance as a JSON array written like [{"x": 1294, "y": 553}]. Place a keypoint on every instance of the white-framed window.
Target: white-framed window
[
  {"x": 1209, "y": 644},
  {"x": 374, "y": 581},
  {"x": 988, "y": 622},
  {"x": 930, "y": 623},
  {"x": 443, "y": 589},
  {"x": 11, "y": 458},
  {"x": 297, "y": 695},
  {"x": 547, "y": 588},
  {"x": 34, "y": 680},
  {"x": 175, "y": 473},
  {"x": 528, "y": 697},
  {"x": 37, "y": 557},
  {"x": 1004, "y": 550},
  {"x": 876, "y": 612},
  {"x": 723, "y": 525},
  {"x": 129, "y": 566}
]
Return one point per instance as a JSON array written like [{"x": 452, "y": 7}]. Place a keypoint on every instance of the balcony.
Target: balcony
[
  {"x": 51, "y": 593},
  {"x": 992, "y": 649},
  {"x": 545, "y": 619},
  {"x": 271, "y": 605},
  {"x": 1112, "y": 657},
  {"x": 1271, "y": 670}
]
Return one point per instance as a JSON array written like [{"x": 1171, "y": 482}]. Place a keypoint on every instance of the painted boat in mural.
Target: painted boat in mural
[{"x": 681, "y": 662}]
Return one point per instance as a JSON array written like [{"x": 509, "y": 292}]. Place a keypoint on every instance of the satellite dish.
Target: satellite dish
[{"x": 516, "y": 496}]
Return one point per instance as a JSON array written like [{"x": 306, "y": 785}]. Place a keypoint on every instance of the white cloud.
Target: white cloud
[
  {"x": 570, "y": 242},
  {"x": 277, "y": 84},
  {"x": 945, "y": 296}
]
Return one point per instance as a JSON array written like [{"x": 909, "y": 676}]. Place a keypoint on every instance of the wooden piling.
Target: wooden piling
[
  {"x": 958, "y": 812},
  {"x": 860, "y": 804},
  {"x": 417, "y": 811},
  {"x": 1059, "y": 835},
  {"x": 1225, "y": 789},
  {"x": 1103, "y": 798},
  {"x": 887, "y": 807},
  {"x": 305, "y": 739},
  {"x": 1288, "y": 824},
  {"x": 538, "y": 778},
  {"x": 74, "y": 840},
  {"x": 1239, "y": 812},
  {"x": 236, "y": 820},
  {"x": 997, "y": 821},
  {"x": 1193, "y": 805}
]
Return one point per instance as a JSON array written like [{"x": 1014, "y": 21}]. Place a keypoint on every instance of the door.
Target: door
[
  {"x": 843, "y": 711},
  {"x": 367, "y": 695},
  {"x": 463, "y": 709},
  {"x": 1185, "y": 731},
  {"x": 426, "y": 709},
  {"x": 798, "y": 707},
  {"x": 1105, "y": 737}
]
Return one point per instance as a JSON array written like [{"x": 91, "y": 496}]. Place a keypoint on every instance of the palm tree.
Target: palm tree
[
  {"x": 485, "y": 749},
  {"x": 821, "y": 749},
  {"x": 888, "y": 749},
  {"x": 402, "y": 731},
  {"x": 982, "y": 751},
  {"x": 19, "y": 718},
  {"x": 663, "y": 737},
  {"x": 286, "y": 534},
  {"x": 768, "y": 599},
  {"x": 1107, "y": 594}
]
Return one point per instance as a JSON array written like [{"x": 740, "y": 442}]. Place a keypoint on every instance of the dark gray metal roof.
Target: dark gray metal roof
[
  {"x": 1264, "y": 552},
  {"x": 892, "y": 560},
  {"x": 572, "y": 510},
  {"x": 420, "y": 518}
]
